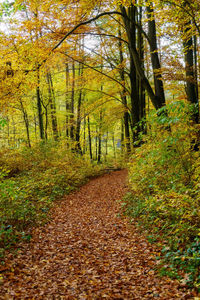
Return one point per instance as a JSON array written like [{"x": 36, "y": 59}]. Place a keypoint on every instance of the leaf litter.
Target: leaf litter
[{"x": 88, "y": 251}]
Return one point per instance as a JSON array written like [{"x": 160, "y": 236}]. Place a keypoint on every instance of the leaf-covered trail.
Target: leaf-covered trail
[{"x": 88, "y": 252}]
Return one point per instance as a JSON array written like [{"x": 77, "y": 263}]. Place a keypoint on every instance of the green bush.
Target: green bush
[
  {"x": 45, "y": 173},
  {"x": 164, "y": 176}
]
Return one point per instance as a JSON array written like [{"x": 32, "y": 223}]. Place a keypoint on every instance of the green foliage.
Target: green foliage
[
  {"x": 30, "y": 180},
  {"x": 187, "y": 259},
  {"x": 6, "y": 8},
  {"x": 164, "y": 176},
  {"x": 2, "y": 123}
]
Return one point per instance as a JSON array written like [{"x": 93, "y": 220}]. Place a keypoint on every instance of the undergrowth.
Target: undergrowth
[
  {"x": 164, "y": 177},
  {"x": 30, "y": 181}
]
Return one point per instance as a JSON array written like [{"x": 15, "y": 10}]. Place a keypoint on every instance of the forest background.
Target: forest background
[{"x": 91, "y": 86}]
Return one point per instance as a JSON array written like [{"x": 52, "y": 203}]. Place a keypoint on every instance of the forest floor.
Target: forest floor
[{"x": 88, "y": 251}]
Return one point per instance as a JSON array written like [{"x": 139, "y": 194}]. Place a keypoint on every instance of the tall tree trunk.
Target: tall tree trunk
[
  {"x": 128, "y": 20},
  {"x": 196, "y": 65},
  {"x": 106, "y": 144},
  {"x": 135, "y": 101},
  {"x": 114, "y": 148},
  {"x": 39, "y": 107},
  {"x": 99, "y": 137},
  {"x": 46, "y": 121},
  {"x": 52, "y": 107},
  {"x": 122, "y": 136},
  {"x": 26, "y": 122},
  {"x": 135, "y": 109},
  {"x": 89, "y": 138},
  {"x": 78, "y": 122},
  {"x": 158, "y": 82},
  {"x": 72, "y": 103},
  {"x": 191, "y": 88},
  {"x": 123, "y": 96},
  {"x": 67, "y": 104},
  {"x": 142, "y": 99},
  {"x": 84, "y": 134}
]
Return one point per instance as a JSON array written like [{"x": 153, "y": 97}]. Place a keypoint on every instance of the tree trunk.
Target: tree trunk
[
  {"x": 123, "y": 96},
  {"x": 72, "y": 103},
  {"x": 114, "y": 148},
  {"x": 99, "y": 137},
  {"x": 191, "y": 89},
  {"x": 39, "y": 107},
  {"x": 67, "y": 105},
  {"x": 52, "y": 107},
  {"x": 26, "y": 122},
  {"x": 142, "y": 98},
  {"x": 158, "y": 82},
  {"x": 89, "y": 137},
  {"x": 84, "y": 134},
  {"x": 128, "y": 20},
  {"x": 78, "y": 122},
  {"x": 122, "y": 136}
]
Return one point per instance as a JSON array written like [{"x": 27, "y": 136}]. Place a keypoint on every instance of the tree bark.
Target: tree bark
[
  {"x": 52, "y": 107},
  {"x": 89, "y": 138},
  {"x": 99, "y": 137},
  {"x": 67, "y": 105},
  {"x": 191, "y": 89},
  {"x": 158, "y": 82},
  {"x": 72, "y": 103},
  {"x": 123, "y": 96},
  {"x": 26, "y": 122},
  {"x": 142, "y": 98},
  {"x": 78, "y": 122},
  {"x": 135, "y": 55},
  {"x": 39, "y": 107}
]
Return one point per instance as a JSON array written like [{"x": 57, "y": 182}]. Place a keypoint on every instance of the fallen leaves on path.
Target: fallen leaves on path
[{"x": 88, "y": 252}]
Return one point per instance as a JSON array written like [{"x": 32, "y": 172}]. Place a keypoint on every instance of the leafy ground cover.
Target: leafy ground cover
[
  {"x": 30, "y": 181},
  {"x": 88, "y": 251}
]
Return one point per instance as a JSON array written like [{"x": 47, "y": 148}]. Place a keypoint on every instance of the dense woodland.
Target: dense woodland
[{"x": 89, "y": 86}]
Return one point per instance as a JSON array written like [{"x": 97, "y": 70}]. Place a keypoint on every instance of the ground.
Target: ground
[{"x": 88, "y": 251}]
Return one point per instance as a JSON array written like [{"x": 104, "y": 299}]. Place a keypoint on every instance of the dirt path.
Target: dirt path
[{"x": 88, "y": 252}]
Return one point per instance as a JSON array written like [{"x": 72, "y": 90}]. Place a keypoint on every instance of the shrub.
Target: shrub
[
  {"x": 164, "y": 176},
  {"x": 46, "y": 172}
]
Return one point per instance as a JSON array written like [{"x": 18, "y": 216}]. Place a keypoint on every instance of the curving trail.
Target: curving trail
[{"x": 88, "y": 252}]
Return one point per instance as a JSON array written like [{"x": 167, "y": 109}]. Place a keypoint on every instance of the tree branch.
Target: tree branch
[
  {"x": 84, "y": 23},
  {"x": 106, "y": 75}
]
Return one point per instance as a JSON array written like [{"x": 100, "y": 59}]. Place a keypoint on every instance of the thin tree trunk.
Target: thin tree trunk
[
  {"x": 52, "y": 107},
  {"x": 72, "y": 103},
  {"x": 122, "y": 136},
  {"x": 96, "y": 142},
  {"x": 78, "y": 122},
  {"x": 89, "y": 138},
  {"x": 46, "y": 121},
  {"x": 26, "y": 122},
  {"x": 84, "y": 134},
  {"x": 107, "y": 143},
  {"x": 39, "y": 107},
  {"x": 99, "y": 137},
  {"x": 114, "y": 148},
  {"x": 67, "y": 105}
]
